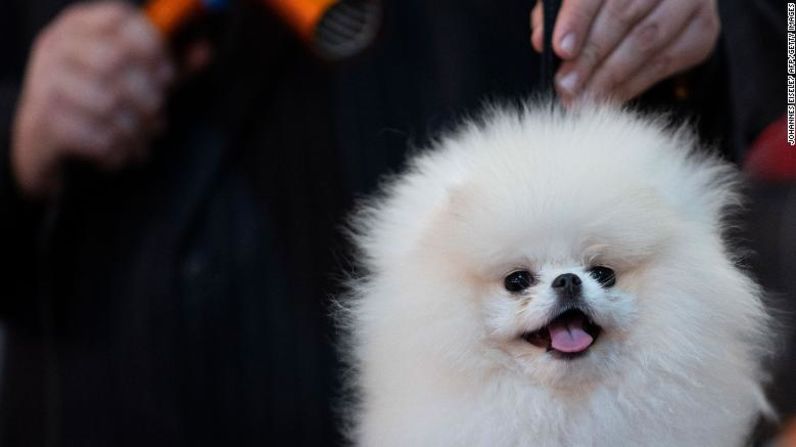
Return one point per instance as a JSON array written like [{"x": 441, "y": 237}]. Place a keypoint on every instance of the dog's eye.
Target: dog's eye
[
  {"x": 518, "y": 281},
  {"x": 603, "y": 275}
]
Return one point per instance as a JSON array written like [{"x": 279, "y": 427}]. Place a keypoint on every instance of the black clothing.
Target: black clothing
[
  {"x": 185, "y": 302},
  {"x": 168, "y": 305}
]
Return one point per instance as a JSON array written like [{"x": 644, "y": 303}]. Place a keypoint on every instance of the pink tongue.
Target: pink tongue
[{"x": 569, "y": 336}]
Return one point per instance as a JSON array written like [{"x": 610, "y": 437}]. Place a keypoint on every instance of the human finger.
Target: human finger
[
  {"x": 105, "y": 125},
  {"x": 614, "y": 20},
  {"x": 143, "y": 43},
  {"x": 642, "y": 44},
  {"x": 93, "y": 17},
  {"x": 537, "y": 27},
  {"x": 680, "y": 55},
  {"x": 140, "y": 91},
  {"x": 76, "y": 91},
  {"x": 573, "y": 24}
]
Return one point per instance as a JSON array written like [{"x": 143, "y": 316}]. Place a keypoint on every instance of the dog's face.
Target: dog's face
[
  {"x": 562, "y": 321},
  {"x": 570, "y": 252},
  {"x": 569, "y": 268},
  {"x": 559, "y": 287}
]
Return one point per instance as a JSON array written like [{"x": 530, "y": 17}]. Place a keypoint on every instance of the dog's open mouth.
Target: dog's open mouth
[{"x": 568, "y": 335}]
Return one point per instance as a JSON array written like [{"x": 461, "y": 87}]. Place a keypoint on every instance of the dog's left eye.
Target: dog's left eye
[
  {"x": 518, "y": 281},
  {"x": 603, "y": 275}
]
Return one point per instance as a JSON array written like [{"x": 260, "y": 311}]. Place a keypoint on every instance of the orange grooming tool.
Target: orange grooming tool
[
  {"x": 169, "y": 15},
  {"x": 336, "y": 29}
]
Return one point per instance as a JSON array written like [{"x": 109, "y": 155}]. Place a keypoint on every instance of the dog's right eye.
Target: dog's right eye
[
  {"x": 604, "y": 275},
  {"x": 518, "y": 281}
]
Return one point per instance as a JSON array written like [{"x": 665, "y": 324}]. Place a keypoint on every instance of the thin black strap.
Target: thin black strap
[{"x": 550, "y": 61}]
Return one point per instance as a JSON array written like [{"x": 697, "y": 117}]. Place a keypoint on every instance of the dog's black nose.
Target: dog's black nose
[{"x": 567, "y": 285}]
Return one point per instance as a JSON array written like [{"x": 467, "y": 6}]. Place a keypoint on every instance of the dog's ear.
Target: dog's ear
[
  {"x": 690, "y": 176},
  {"x": 461, "y": 198},
  {"x": 705, "y": 187},
  {"x": 716, "y": 193}
]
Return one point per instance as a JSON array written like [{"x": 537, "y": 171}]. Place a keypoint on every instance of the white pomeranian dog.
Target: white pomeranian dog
[{"x": 549, "y": 278}]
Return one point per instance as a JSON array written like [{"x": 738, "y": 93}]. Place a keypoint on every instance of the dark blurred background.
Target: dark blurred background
[{"x": 185, "y": 301}]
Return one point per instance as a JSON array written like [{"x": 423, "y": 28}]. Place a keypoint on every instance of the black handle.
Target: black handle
[{"x": 550, "y": 62}]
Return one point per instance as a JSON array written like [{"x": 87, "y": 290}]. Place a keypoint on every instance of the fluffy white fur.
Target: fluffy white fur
[{"x": 434, "y": 337}]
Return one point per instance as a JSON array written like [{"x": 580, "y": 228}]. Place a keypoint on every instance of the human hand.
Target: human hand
[
  {"x": 94, "y": 89},
  {"x": 617, "y": 49}
]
